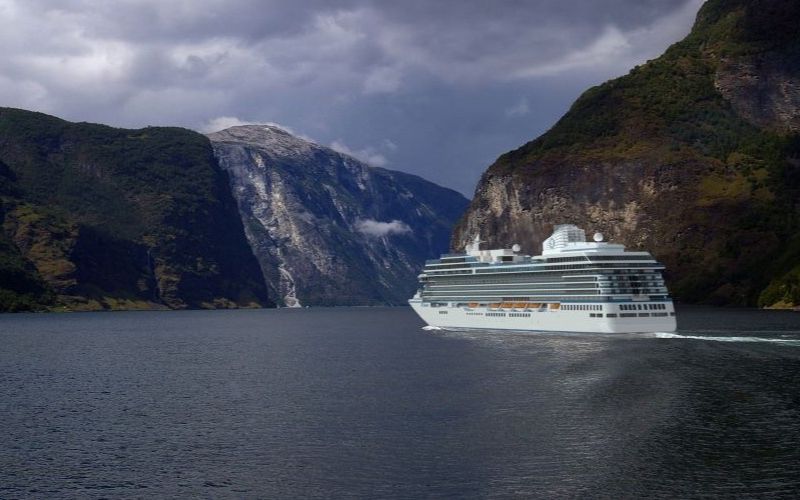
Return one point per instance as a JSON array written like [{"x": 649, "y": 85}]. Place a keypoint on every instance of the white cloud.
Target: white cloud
[
  {"x": 377, "y": 229},
  {"x": 368, "y": 155},
  {"x": 223, "y": 122},
  {"x": 617, "y": 48},
  {"x": 610, "y": 45},
  {"x": 437, "y": 75},
  {"x": 521, "y": 108},
  {"x": 389, "y": 145}
]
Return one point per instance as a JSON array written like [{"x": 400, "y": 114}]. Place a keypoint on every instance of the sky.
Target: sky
[{"x": 437, "y": 88}]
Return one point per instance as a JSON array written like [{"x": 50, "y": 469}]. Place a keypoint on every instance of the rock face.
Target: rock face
[
  {"x": 763, "y": 89},
  {"x": 694, "y": 156},
  {"x": 328, "y": 229},
  {"x": 95, "y": 217}
]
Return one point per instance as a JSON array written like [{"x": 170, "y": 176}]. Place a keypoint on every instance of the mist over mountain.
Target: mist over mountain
[
  {"x": 95, "y": 217},
  {"x": 694, "y": 156}
]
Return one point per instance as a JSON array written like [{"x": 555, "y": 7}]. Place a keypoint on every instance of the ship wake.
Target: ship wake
[{"x": 665, "y": 335}]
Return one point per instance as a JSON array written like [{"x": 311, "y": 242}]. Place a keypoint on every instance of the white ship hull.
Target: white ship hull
[
  {"x": 573, "y": 286},
  {"x": 548, "y": 319}
]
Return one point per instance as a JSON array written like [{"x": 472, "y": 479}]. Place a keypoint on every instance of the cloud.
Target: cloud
[
  {"x": 368, "y": 155},
  {"x": 371, "y": 227},
  {"x": 435, "y": 75},
  {"x": 383, "y": 80},
  {"x": 223, "y": 122},
  {"x": 610, "y": 44},
  {"x": 237, "y": 50},
  {"x": 521, "y": 108}
]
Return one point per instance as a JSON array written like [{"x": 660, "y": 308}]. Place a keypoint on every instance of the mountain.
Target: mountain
[
  {"x": 694, "y": 155},
  {"x": 328, "y": 229},
  {"x": 95, "y": 217}
]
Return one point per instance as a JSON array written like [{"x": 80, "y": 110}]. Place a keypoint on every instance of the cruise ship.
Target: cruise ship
[{"x": 573, "y": 286}]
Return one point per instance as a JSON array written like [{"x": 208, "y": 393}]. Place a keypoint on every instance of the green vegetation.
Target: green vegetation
[
  {"x": 739, "y": 176},
  {"x": 95, "y": 217}
]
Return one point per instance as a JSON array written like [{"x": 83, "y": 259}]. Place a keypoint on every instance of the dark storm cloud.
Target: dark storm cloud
[{"x": 437, "y": 88}]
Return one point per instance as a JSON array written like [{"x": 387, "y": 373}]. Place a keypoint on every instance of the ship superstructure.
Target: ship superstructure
[{"x": 573, "y": 286}]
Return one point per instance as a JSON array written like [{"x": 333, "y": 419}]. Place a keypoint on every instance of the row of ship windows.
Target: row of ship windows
[
  {"x": 534, "y": 290},
  {"x": 548, "y": 265},
  {"x": 644, "y": 315},
  {"x": 593, "y": 258},
  {"x": 608, "y": 274},
  {"x": 601, "y": 257},
  {"x": 512, "y": 302},
  {"x": 578, "y": 266},
  {"x": 450, "y": 264},
  {"x": 582, "y": 307},
  {"x": 501, "y": 315},
  {"x": 641, "y": 307},
  {"x": 546, "y": 268},
  {"x": 545, "y": 284},
  {"x": 653, "y": 293},
  {"x": 632, "y": 315},
  {"x": 555, "y": 298},
  {"x": 549, "y": 280},
  {"x": 535, "y": 286},
  {"x": 513, "y": 286},
  {"x": 591, "y": 315}
]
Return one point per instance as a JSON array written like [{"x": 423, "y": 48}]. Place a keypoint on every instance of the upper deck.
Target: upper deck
[
  {"x": 569, "y": 268},
  {"x": 567, "y": 248}
]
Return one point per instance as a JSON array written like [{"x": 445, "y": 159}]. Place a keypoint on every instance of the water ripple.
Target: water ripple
[{"x": 361, "y": 403}]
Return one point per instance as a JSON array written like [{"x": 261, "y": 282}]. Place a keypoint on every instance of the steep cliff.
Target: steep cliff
[
  {"x": 328, "y": 229},
  {"x": 95, "y": 217},
  {"x": 694, "y": 156}
]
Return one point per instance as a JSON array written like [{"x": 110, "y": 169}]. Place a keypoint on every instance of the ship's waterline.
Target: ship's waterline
[{"x": 573, "y": 286}]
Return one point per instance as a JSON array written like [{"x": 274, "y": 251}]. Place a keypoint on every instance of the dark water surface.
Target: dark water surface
[{"x": 364, "y": 403}]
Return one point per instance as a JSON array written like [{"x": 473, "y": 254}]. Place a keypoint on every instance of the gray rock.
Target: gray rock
[{"x": 328, "y": 229}]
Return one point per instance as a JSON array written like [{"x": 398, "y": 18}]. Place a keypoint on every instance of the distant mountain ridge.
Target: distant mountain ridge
[
  {"x": 328, "y": 229},
  {"x": 694, "y": 155},
  {"x": 94, "y": 217}
]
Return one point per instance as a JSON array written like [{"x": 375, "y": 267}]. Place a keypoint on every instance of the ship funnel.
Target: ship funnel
[{"x": 562, "y": 235}]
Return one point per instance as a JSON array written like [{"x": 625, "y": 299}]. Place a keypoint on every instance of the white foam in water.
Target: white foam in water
[
  {"x": 431, "y": 328},
  {"x": 664, "y": 335}
]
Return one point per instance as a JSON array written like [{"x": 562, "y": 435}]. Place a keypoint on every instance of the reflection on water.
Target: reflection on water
[{"x": 320, "y": 403}]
